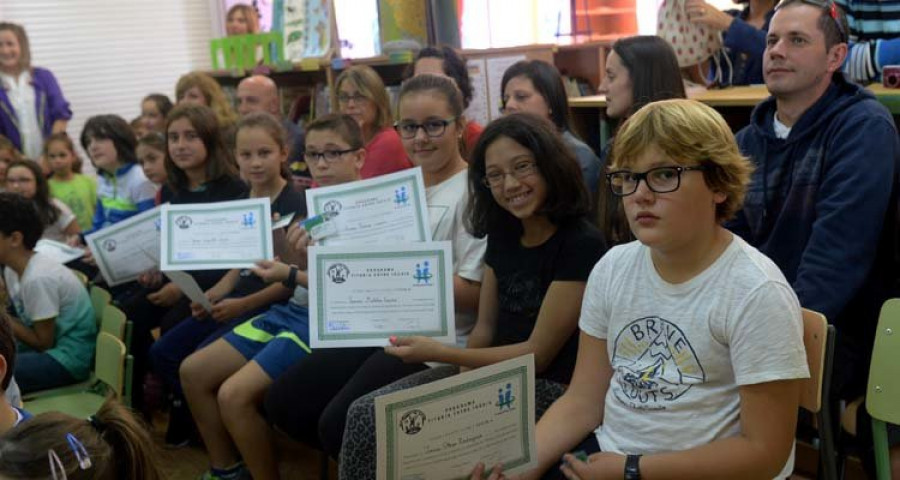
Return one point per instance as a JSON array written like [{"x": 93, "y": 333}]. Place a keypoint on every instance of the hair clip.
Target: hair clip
[
  {"x": 81, "y": 454},
  {"x": 57, "y": 469}
]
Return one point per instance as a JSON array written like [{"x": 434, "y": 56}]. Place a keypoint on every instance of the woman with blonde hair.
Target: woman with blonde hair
[
  {"x": 201, "y": 89},
  {"x": 241, "y": 19},
  {"x": 361, "y": 94}
]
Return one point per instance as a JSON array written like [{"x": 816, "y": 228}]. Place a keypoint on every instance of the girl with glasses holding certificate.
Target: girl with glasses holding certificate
[
  {"x": 691, "y": 345},
  {"x": 527, "y": 196}
]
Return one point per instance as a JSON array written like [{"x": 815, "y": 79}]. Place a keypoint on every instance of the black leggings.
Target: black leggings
[{"x": 310, "y": 401}]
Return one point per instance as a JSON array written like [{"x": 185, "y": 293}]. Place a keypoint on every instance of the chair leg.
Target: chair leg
[
  {"x": 827, "y": 455},
  {"x": 323, "y": 466},
  {"x": 882, "y": 455}
]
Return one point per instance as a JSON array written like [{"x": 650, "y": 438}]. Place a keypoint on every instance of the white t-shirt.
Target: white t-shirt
[
  {"x": 679, "y": 352},
  {"x": 20, "y": 92},
  {"x": 56, "y": 231},
  {"x": 446, "y": 206}
]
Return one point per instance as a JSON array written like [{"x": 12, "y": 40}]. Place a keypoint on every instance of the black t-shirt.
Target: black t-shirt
[
  {"x": 524, "y": 274},
  {"x": 287, "y": 202}
]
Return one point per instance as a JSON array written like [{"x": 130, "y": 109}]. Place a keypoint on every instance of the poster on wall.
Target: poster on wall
[
  {"x": 263, "y": 7},
  {"x": 307, "y": 28},
  {"x": 403, "y": 24}
]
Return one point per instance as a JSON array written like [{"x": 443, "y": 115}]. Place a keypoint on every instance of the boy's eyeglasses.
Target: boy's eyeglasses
[
  {"x": 330, "y": 156},
  {"x": 659, "y": 179},
  {"x": 495, "y": 178},
  {"x": 433, "y": 128},
  {"x": 832, "y": 10}
]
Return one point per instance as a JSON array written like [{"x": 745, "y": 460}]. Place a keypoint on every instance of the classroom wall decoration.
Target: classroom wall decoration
[
  {"x": 307, "y": 28},
  {"x": 403, "y": 24}
]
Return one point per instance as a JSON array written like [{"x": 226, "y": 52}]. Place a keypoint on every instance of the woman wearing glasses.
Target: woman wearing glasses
[
  {"x": 743, "y": 35},
  {"x": 528, "y": 198},
  {"x": 310, "y": 401},
  {"x": 361, "y": 94},
  {"x": 691, "y": 345},
  {"x": 535, "y": 86}
]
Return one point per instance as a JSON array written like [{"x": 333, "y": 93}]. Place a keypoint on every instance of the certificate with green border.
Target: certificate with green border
[
  {"x": 211, "y": 236},
  {"x": 361, "y": 295},
  {"x": 127, "y": 249},
  {"x": 441, "y": 430},
  {"x": 387, "y": 209}
]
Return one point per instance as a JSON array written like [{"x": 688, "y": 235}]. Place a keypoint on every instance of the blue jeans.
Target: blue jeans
[{"x": 39, "y": 371}]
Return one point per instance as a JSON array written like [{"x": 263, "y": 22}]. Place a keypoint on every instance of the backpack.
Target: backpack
[{"x": 693, "y": 44}]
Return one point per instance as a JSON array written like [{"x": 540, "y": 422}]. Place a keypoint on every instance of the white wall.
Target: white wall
[{"x": 108, "y": 54}]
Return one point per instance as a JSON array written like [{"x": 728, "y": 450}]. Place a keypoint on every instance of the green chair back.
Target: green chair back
[
  {"x": 109, "y": 366},
  {"x": 100, "y": 298},
  {"x": 883, "y": 393},
  {"x": 81, "y": 277},
  {"x": 114, "y": 322}
]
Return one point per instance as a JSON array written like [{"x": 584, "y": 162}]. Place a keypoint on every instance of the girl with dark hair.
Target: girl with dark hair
[
  {"x": 154, "y": 108},
  {"x": 199, "y": 171},
  {"x": 26, "y": 178},
  {"x": 535, "y": 86},
  {"x": 110, "y": 445},
  {"x": 743, "y": 36},
  {"x": 32, "y": 105},
  {"x": 444, "y": 60},
  {"x": 528, "y": 198},
  {"x": 122, "y": 188},
  {"x": 77, "y": 191},
  {"x": 639, "y": 70}
]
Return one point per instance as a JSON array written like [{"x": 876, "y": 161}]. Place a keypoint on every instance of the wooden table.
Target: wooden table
[{"x": 735, "y": 104}]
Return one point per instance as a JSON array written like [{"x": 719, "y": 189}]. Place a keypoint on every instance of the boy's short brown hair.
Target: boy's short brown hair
[{"x": 689, "y": 133}]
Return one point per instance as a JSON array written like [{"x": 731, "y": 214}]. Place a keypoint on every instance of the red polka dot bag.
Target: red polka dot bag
[{"x": 693, "y": 44}]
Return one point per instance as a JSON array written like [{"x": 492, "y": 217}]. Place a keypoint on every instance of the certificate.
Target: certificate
[
  {"x": 387, "y": 209},
  {"x": 360, "y": 296},
  {"x": 210, "y": 236},
  {"x": 127, "y": 249},
  {"x": 58, "y": 251},
  {"x": 441, "y": 430}
]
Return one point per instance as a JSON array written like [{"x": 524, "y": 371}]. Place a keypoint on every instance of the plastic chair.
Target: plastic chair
[
  {"x": 100, "y": 298},
  {"x": 113, "y": 322},
  {"x": 883, "y": 392},
  {"x": 818, "y": 338},
  {"x": 111, "y": 371}
]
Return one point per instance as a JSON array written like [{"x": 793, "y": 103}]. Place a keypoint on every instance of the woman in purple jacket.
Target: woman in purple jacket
[{"x": 32, "y": 105}]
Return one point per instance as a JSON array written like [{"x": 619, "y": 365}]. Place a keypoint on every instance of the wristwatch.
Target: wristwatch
[
  {"x": 291, "y": 280},
  {"x": 633, "y": 467}
]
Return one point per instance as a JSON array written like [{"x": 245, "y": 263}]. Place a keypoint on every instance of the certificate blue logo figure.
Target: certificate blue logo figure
[
  {"x": 423, "y": 274},
  {"x": 505, "y": 398},
  {"x": 338, "y": 273},
  {"x": 401, "y": 197},
  {"x": 248, "y": 220}
]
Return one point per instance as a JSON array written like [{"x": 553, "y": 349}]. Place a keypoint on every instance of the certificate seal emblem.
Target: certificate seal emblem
[
  {"x": 184, "y": 222},
  {"x": 338, "y": 273},
  {"x": 109, "y": 245},
  {"x": 332, "y": 208},
  {"x": 412, "y": 422}
]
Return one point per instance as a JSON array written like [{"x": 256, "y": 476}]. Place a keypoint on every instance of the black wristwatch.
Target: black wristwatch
[
  {"x": 291, "y": 281},
  {"x": 633, "y": 467}
]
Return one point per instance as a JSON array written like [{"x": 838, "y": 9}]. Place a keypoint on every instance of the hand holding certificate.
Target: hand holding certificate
[
  {"x": 360, "y": 296},
  {"x": 385, "y": 209},
  {"x": 441, "y": 430},
  {"x": 127, "y": 249},
  {"x": 216, "y": 235}
]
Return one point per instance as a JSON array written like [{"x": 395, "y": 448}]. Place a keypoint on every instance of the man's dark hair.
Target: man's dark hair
[{"x": 832, "y": 21}]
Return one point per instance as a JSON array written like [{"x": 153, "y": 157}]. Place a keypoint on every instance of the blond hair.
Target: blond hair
[
  {"x": 250, "y": 15},
  {"x": 212, "y": 92},
  {"x": 370, "y": 85},
  {"x": 688, "y": 132}
]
